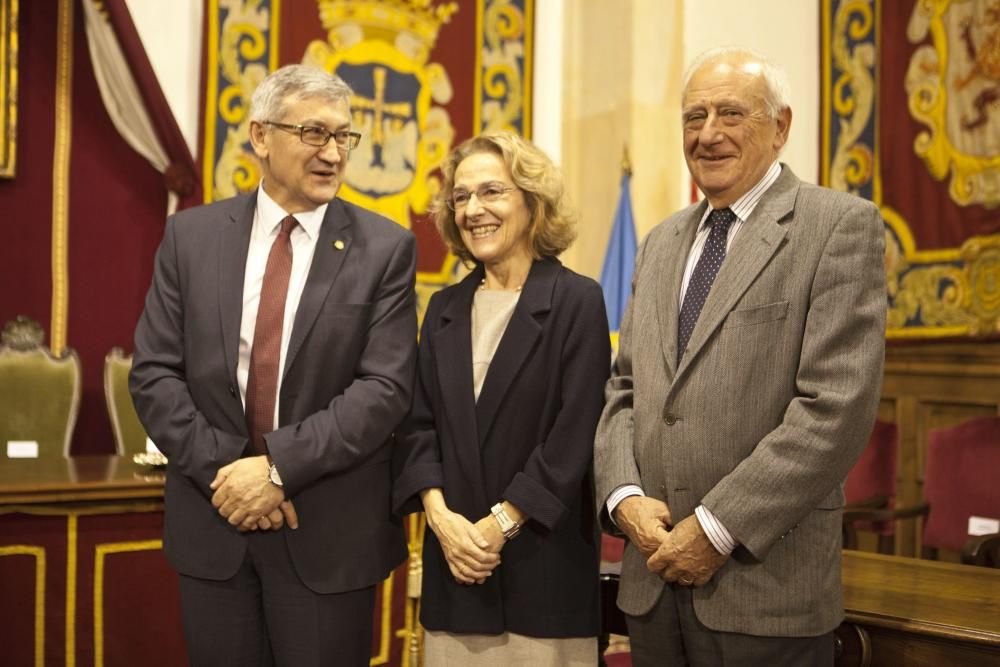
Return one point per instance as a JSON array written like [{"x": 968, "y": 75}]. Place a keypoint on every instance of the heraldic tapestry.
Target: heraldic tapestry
[
  {"x": 426, "y": 75},
  {"x": 911, "y": 120}
]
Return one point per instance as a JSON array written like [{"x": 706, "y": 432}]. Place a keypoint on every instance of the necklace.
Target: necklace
[{"x": 482, "y": 286}]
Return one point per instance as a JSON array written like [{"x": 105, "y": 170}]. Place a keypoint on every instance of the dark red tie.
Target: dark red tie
[{"x": 265, "y": 355}]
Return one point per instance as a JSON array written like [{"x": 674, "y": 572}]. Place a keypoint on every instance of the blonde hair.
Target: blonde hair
[{"x": 551, "y": 226}]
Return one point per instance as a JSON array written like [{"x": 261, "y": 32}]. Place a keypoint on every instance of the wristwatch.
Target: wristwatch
[
  {"x": 273, "y": 476},
  {"x": 508, "y": 527}
]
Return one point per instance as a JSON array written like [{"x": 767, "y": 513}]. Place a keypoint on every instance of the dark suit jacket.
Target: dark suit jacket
[
  {"x": 347, "y": 383},
  {"x": 527, "y": 440},
  {"x": 767, "y": 410}
]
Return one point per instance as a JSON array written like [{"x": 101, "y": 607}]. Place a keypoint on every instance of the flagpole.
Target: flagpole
[{"x": 626, "y": 162}]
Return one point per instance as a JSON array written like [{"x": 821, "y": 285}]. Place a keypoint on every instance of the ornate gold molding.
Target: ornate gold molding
[
  {"x": 853, "y": 96},
  {"x": 503, "y": 65},
  {"x": 8, "y": 88},
  {"x": 241, "y": 51},
  {"x": 60, "y": 177},
  {"x": 72, "y": 524},
  {"x": 101, "y": 551}
]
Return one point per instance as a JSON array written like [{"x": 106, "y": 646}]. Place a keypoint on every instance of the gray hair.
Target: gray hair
[
  {"x": 776, "y": 87},
  {"x": 292, "y": 83}
]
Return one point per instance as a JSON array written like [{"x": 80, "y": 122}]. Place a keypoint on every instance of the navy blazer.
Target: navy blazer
[
  {"x": 528, "y": 440},
  {"x": 347, "y": 383}
]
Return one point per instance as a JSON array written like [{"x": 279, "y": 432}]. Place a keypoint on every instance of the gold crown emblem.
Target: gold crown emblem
[{"x": 386, "y": 19}]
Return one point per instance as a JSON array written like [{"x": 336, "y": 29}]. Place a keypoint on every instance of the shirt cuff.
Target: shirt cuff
[
  {"x": 620, "y": 494},
  {"x": 717, "y": 534}
]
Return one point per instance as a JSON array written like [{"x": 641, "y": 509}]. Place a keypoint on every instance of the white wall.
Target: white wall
[
  {"x": 787, "y": 32},
  {"x": 547, "y": 84}
]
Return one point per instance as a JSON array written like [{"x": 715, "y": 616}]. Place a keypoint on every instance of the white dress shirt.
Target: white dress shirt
[
  {"x": 721, "y": 538},
  {"x": 266, "y": 224}
]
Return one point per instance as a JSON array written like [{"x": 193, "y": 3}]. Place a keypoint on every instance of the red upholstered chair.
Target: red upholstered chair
[
  {"x": 960, "y": 481},
  {"x": 872, "y": 480},
  {"x": 870, "y": 489}
]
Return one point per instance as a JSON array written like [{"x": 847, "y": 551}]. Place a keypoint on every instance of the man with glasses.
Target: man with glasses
[
  {"x": 745, "y": 387},
  {"x": 273, "y": 360}
]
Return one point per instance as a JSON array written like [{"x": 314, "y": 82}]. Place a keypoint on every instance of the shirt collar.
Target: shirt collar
[
  {"x": 270, "y": 215},
  {"x": 745, "y": 205}
]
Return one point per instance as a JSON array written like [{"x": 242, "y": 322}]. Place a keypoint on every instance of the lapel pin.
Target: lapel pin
[{"x": 338, "y": 244}]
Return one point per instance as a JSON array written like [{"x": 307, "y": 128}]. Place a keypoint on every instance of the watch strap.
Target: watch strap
[{"x": 508, "y": 526}]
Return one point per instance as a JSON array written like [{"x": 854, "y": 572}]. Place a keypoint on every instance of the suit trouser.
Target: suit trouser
[
  {"x": 264, "y": 615},
  {"x": 670, "y": 634}
]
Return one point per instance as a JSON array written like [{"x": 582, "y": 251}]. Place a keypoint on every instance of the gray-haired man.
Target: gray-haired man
[
  {"x": 726, "y": 438},
  {"x": 274, "y": 358}
]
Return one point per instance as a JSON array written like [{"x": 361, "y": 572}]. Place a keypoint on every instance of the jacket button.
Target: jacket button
[
  {"x": 669, "y": 419},
  {"x": 232, "y": 390}
]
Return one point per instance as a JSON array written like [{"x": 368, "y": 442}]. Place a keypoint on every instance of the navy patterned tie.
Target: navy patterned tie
[{"x": 704, "y": 275}]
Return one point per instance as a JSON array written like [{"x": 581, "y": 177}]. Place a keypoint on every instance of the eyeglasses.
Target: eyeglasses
[
  {"x": 487, "y": 193},
  {"x": 320, "y": 136}
]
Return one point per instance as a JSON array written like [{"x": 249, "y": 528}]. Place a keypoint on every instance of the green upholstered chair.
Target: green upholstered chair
[
  {"x": 39, "y": 393},
  {"x": 130, "y": 436}
]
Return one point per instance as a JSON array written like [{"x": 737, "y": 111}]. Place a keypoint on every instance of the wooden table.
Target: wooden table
[
  {"x": 80, "y": 479},
  {"x": 83, "y": 578},
  {"x": 82, "y": 571},
  {"x": 907, "y": 611}
]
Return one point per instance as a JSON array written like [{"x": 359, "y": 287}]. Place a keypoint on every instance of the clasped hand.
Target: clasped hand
[
  {"x": 472, "y": 551},
  {"x": 248, "y": 500},
  {"x": 686, "y": 555},
  {"x": 682, "y": 553}
]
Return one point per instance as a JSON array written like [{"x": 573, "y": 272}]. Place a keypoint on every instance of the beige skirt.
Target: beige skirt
[{"x": 444, "y": 649}]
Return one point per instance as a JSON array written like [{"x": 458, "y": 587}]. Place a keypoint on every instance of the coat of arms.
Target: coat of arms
[{"x": 381, "y": 49}]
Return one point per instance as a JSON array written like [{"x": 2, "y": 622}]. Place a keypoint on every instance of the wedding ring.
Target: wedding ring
[{"x": 686, "y": 581}]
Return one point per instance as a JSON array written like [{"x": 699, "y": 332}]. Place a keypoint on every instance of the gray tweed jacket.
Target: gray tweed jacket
[{"x": 766, "y": 412}]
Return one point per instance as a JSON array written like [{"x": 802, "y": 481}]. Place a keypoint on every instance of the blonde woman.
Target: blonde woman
[{"x": 497, "y": 449}]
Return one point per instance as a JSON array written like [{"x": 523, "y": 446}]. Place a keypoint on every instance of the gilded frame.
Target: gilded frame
[{"x": 8, "y": 87}]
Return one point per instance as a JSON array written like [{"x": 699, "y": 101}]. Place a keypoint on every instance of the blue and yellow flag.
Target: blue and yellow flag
[{"x": 619, "y": 260}]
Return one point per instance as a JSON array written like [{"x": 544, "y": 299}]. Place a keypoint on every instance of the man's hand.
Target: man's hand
[
  {"x": 465, "y": 548},
  {"x": 686, "y": 556},
  {"x": 284, "y": 514},
  {"x": 244, "y": 494},
  {"x": 645, "y": 521}
]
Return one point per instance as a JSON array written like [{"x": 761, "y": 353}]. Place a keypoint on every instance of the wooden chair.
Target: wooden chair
[
  {"x": 870, "y": 492},
  {"x": 39, "y": 393},
  {"x": 130, "y": 436},
  {"x": 960, "y": 481}
]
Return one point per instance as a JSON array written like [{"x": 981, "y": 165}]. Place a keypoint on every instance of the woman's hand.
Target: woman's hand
[
  {"x": 465, "y": 548},
  {"x": 490, "y": 529}
]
